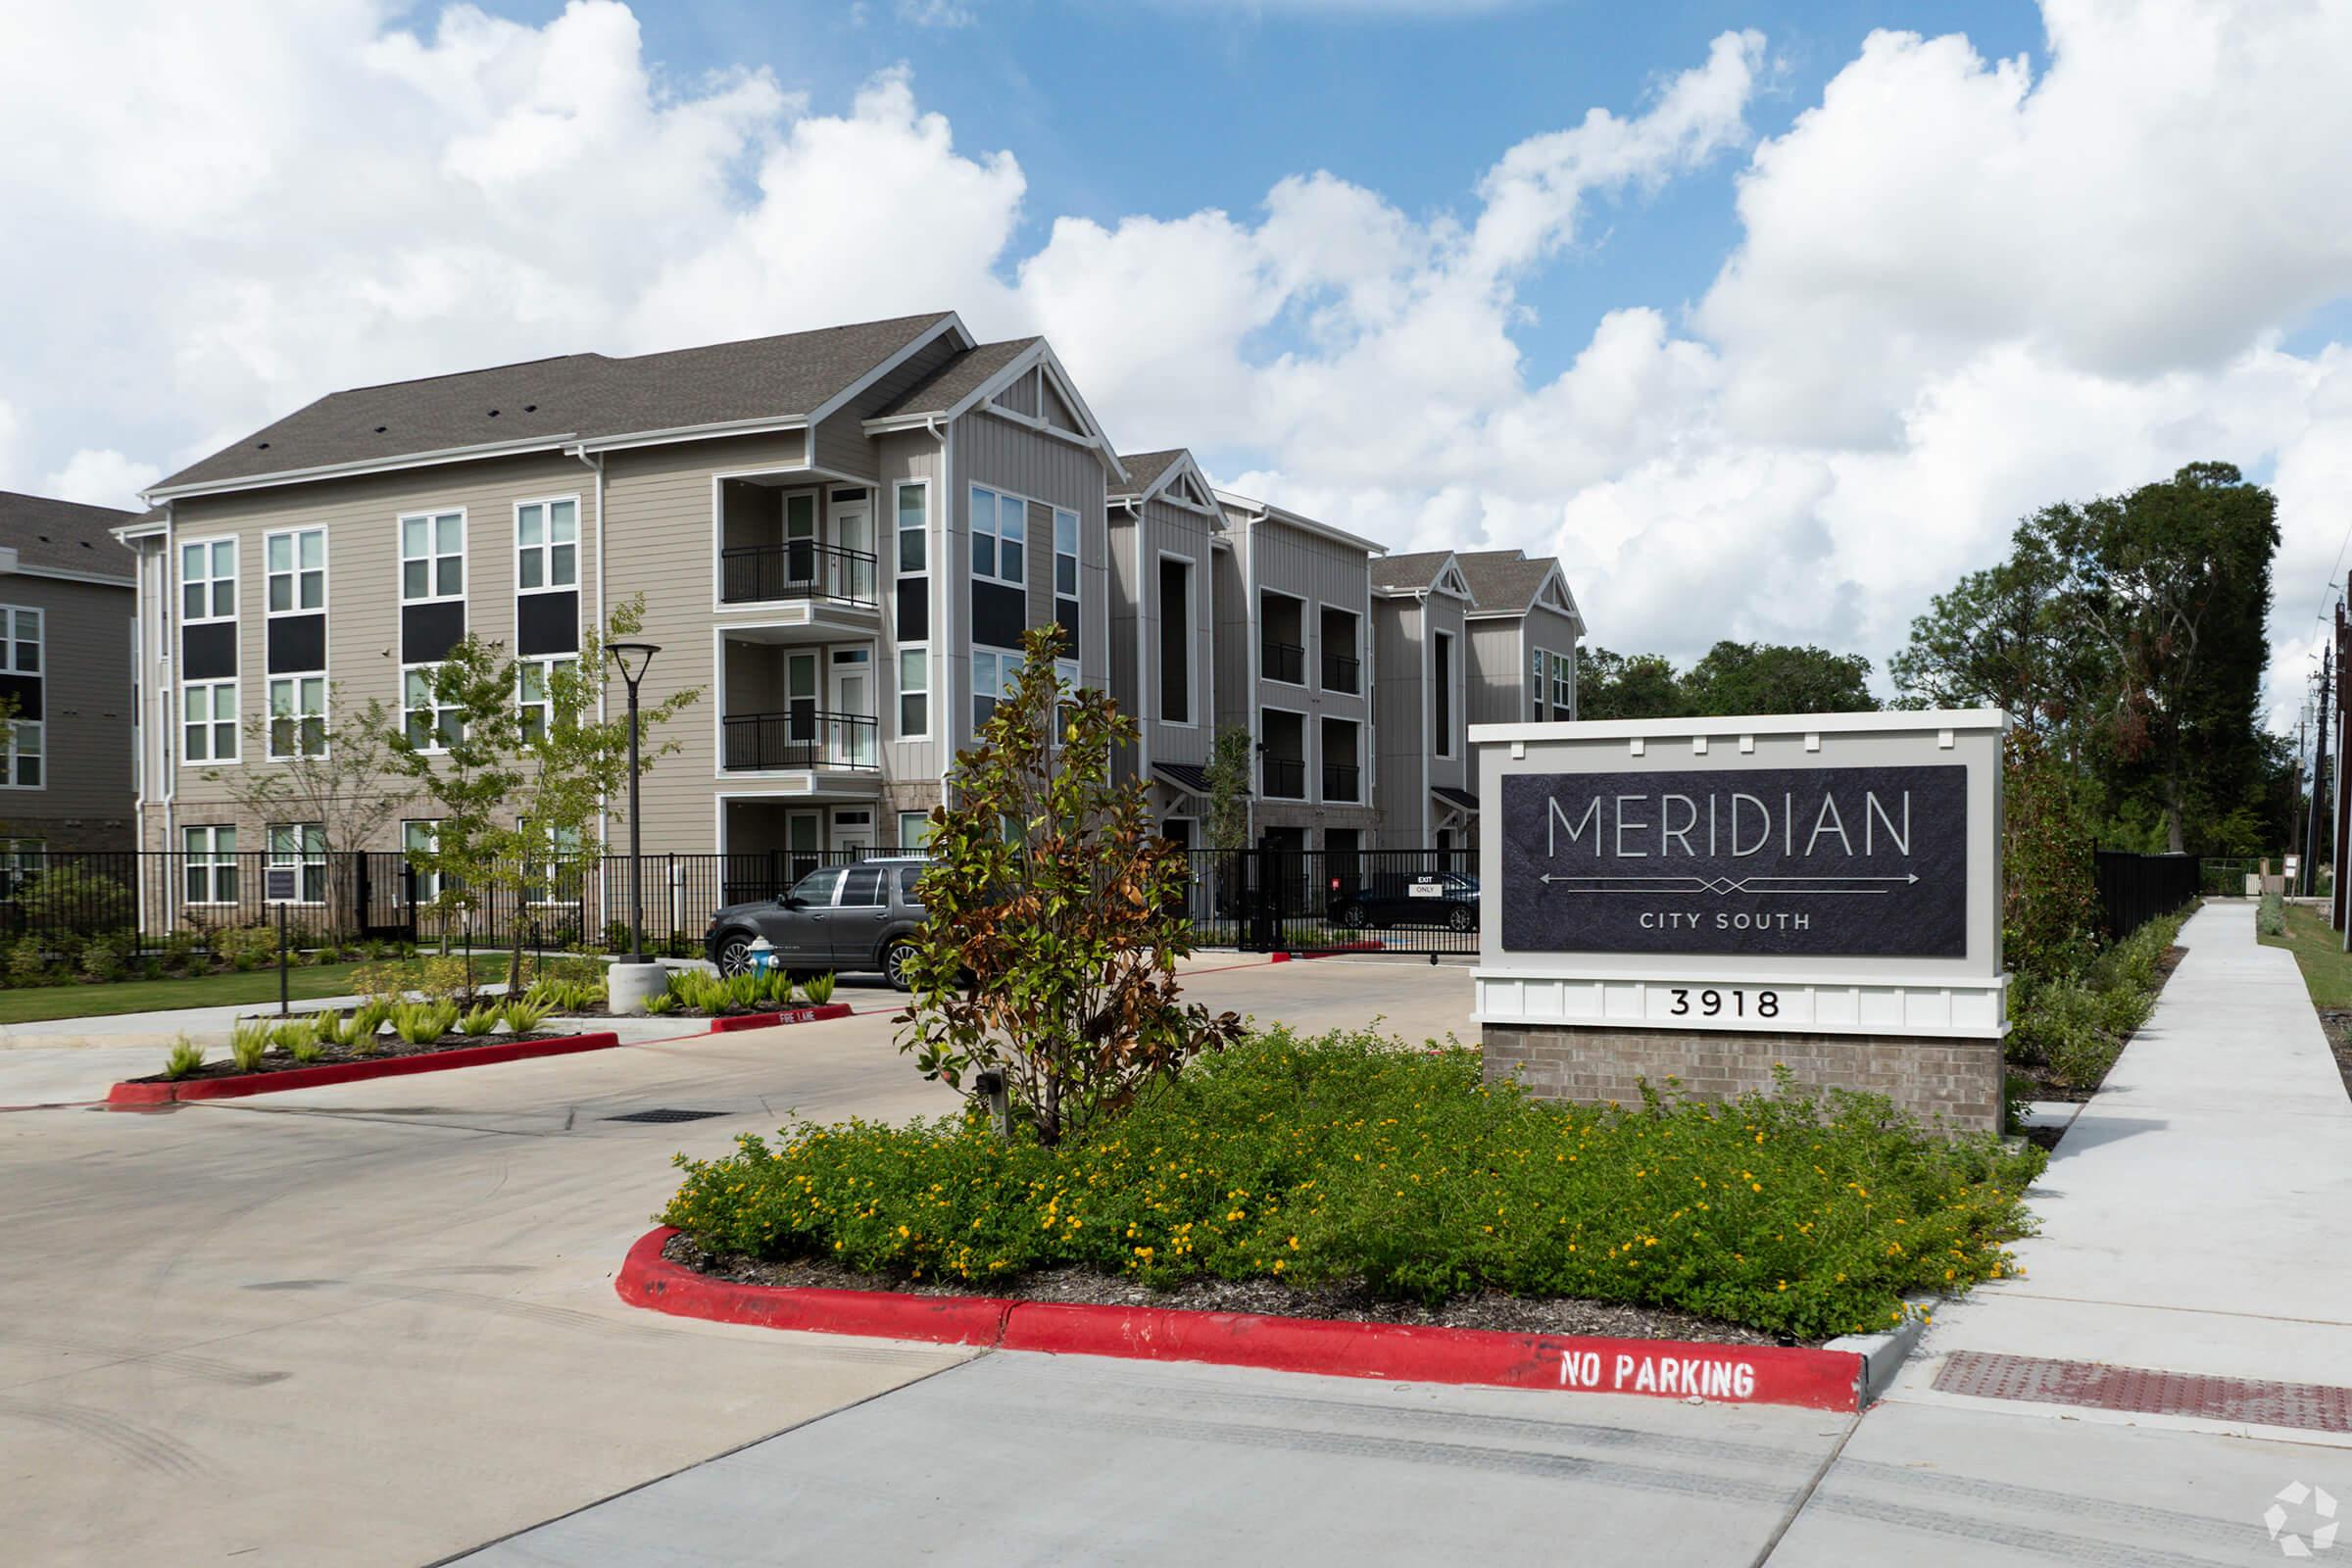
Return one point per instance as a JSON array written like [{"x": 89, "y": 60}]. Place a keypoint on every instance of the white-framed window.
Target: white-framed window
[
  {"x": 1563, "y": 682},
  {"x": 999, "y": 536},
  {"x": 1066, "y": 672},
  {"x": 1441, "y": 690},
  {"x": 914, "y": 527},
  {"x": 1065, "y": 572},
  {"x": 914, "y": 829},
  {"x": 208, "y": 580},
  {"x": 547, "y": 545},
  {"x": 20, "y": 860},
  {"x": 1177, "y": 639},
  {"x": 432, "y": 726},
  {"x": 297, "y": 717},
  {"x": 20, "y": 651},
  {"x": 294, "y": 568},
  {"x": 994, "y": 673},
  {"x": 25, "y": 766},
  {"x": 432, "y": 557},
  {"x": 303, "y": 844},
  {"x": 556, "y": 876},
  {"x": 422, "y": 836},
  {"x": 211, "y": 854},
  {"x": 915, "y": 693},
  {"x": 534, "y": 699},
  {"x": 208, "y": 712},
  {"x": 1539, "y": 673}
]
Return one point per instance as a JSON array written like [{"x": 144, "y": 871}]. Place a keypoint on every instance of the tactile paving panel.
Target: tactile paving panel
[{"x": 2307, "y": 1406}]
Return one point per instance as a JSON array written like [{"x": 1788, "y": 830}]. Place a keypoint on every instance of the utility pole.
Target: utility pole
[
  {"x": 2319, "y": 772},
  {"x": 2298, "y": 822}
]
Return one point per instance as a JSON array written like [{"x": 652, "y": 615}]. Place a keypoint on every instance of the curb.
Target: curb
[
  {"x": 1884, "y": 1355},
  {"x": 345, "y": 1072},
  {"x": 1671, "y": 1369},
  {"x": 1300, "y": 955},
  {"x": 769, "y": 1020}
]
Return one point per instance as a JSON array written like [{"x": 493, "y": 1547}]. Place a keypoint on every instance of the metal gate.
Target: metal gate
[{"x": 1274, "y": 900}]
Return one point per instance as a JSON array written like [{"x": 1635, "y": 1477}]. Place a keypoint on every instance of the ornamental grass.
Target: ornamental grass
[{"x": 1351, "y": 1158}]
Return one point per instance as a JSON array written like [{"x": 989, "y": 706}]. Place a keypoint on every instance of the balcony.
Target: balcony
[
  {"x": 1283, "y": 778},
  {"x": 1342, "y": 782},
  {"x": 1343, "y": 674},
  {"x": 800, "y": 739},
  {"x": 798, "y": 569},
  {"x": 1283, "y": 661}
]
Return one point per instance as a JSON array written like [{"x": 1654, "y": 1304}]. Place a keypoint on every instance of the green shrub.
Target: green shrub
[
  {"x": 1345, "y": 1159},
  {"x": 661, "y": 1005},
  {"x": 292, "y": 1032},
  {"x": 2269, "y": 915},
  {"x": 246, "y": 947},
  {"x": 699, "y": 992},
  {"x": 28, "y": 962},
  {"x": 248, "y": 1043},
  {"x": 104, "y": 959},
  {"x": 185, "y": 1057},
  {"x": 479, "y": 1019},
  {"x": 567, "y": 995},
  {"x": 522, "y": 1015},
  {"x": 308, "y": 1048},
  {"x": 820, "y": 988},
  {"x": 178, "y": 951},
  {"x": 2050, "y": 894},
  {"x": 421, "y": 1023},
  {"x": 2075, "y": 1025}
]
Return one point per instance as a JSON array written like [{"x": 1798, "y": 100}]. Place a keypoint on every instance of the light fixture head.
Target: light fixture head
[{"x": 633, "y": 659}]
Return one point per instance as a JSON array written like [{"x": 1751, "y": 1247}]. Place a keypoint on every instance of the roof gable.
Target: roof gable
[{"x": 1173, "y": 476}]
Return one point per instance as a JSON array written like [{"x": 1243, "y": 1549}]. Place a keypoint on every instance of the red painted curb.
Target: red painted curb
[
  {"x": 344, "y": 1072},
  {"x": 769, "y": 1020},
  {"x": 1374, "y": 945},
  {"x": 1671, "y": 1369}
]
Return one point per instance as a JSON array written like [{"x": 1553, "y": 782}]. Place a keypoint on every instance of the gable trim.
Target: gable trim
[{"x": 949, "y": 323}]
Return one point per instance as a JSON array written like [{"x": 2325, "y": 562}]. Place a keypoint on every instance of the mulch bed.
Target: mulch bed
[
  {"x": 2338, "y": 1024},
  {"x": 1348, "y": 1303},
  {"x": 388, "y": 1047},
  {"x": 2047, "y": 1088}
]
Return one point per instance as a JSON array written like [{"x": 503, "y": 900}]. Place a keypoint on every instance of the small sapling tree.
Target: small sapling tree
[{"x": 1056, "y": 914}]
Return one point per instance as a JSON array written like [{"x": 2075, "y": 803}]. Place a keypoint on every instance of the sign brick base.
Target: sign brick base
[{"x": 1956, "y": 1082}]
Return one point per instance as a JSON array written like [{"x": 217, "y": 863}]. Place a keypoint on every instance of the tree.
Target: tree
[
  {"x": 1228, "y": 770},
  {"x": 331, "y": 769},
  {"x": 1627, "y": 686},
  {"x": 1055, "y": 915},
  {"x": 519, "y": 767},
  {"x": 1775, "y": 678}
]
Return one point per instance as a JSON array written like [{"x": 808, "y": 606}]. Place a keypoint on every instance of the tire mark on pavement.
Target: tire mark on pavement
[{"x": 144, "y": 1447}]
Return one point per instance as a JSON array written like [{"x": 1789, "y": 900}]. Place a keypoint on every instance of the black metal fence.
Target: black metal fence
[
  {"x": 1335, "y": 901},
  {"x": 2135, "y": 888}
]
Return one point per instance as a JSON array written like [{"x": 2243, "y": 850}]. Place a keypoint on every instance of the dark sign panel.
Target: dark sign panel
[{"x": 1851, "y": 862}]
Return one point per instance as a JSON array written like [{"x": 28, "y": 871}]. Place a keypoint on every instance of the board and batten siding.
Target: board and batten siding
[
  {"x": 85, "y": 801},
  {"x": 1497, "y": 671},
  {"x": 911, "y": 457},
  {"x": 362, "y": 519},
  {"x": 1170, "y": 530},
  {"x": 1398, "y": 656},
  {"x": 1127, "y": 620},
  {"x": 1554, "y": 632},
  {"x": 1443, "y": 612},
  {"x": 1236, "y": 648}
]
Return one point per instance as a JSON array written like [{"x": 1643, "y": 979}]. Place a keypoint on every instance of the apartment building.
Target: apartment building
[
  {"x": 1165, "y": 529},
  {"x": 1523, "y": 626},
  {"x": 839, "y": 536},
  {"x": 67, "y": 753},
  {"x": 1293, "y": 605}
]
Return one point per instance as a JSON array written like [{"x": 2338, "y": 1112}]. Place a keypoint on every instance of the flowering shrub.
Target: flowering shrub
[{"x": 1349, "y": 1158}]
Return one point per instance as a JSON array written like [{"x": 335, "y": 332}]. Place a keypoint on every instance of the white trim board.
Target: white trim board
[{"x": 1895, "y": 722}]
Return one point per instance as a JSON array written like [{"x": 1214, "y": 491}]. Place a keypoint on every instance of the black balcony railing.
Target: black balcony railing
[
  {"x": 1285, "y": 662},
  {"x": 806, "y": 737},
  {"x": 1284, "y": 777},
  {"x": 1341, "y": 781},
  {"x": 799, "y": 568},
  {"x": 1341, "y": 674}
]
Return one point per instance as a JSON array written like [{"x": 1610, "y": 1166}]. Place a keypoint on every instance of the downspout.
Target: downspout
[
  {"x": 942, "y": 662},
  {"x": 604, "y": 814}
]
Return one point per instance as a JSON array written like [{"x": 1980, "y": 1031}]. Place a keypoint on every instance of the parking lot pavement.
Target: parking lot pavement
[{"x": 1017, "y": 1459}]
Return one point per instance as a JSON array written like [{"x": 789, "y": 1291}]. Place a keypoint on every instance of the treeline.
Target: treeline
[{"x": 1733, "y": 678}]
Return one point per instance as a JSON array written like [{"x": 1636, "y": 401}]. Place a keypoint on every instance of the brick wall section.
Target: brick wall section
[{"x": 1956, "y": 1080}]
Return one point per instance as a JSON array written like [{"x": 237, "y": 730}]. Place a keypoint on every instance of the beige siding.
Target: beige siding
[
  {"x": 85, "y": 796},
  {"x": 842, "y": 444}
]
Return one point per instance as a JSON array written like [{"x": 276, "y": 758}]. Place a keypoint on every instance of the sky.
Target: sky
[{"x": 1769, "y": 319}]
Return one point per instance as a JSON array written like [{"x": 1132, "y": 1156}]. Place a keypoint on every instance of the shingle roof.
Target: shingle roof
[
  {"x": 1191, "y": 778},
  {"x": 959, "y": 378},
  {"x": 1505, "y": 580},
  {"x": 1417, "y": 569},
  {"x": 64, "y": 535},
  {"x": 1144, "y": 468},
  {"x": 584, "y": 395}
]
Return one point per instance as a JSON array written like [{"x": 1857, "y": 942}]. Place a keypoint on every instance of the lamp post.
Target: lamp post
[{"x": 634, "y": 658}]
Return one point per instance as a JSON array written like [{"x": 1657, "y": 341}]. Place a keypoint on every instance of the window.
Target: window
[
  {"x": 1176, "y": 640},
  {"x": 555, "y": 877},
  {"x": 914, "y": 692},
  {"x": 27, "y": 738},
  {"x": 20, "y": 640},
  {"x": 432, "y": 557},
  {"x": 432, "y": 726},
  {"x": 20, "y": 860},
  {"x": 914, "y": 829},
  {"x": 1065, "y": 576},
  {"x": 1563, "y": 684},
  {"x": 295, "y": 565},
  {"x": 208, "y": 580},
  {"x": 212, "y": 863},
  {"x": 993, "y": 675},
  {"x": 818, "y": 887},
  {"x": 1065, "y": 672},
  {"x": 423, "y": 838},
  {"x": 209, "y": 721},
  {"x": 547, "y": 545},
  {"x": 1540, "y": 664},
  {"x": 910, "y": 884},
  {"x": 915, "y": 538},
  {"x": 534, "y": 695},
  {"x": 304, "y": 844},
  {"x": 861, "y": 887},
  {"x": 297, "y": 717},
  {"x": 1000, "y": 534},
  {"x": 1441, "y": 689}
]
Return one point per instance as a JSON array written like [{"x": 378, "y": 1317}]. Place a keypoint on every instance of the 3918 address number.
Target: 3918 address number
[{"x": 1712, "y": 1001}]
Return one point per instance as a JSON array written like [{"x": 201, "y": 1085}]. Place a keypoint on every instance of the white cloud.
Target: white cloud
[
  {"x": 1962, "y": 290},
  {"x": 102, "y": 479}
]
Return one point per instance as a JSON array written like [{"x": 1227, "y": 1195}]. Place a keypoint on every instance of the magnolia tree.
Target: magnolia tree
[{"x": 1056, "y": 914}]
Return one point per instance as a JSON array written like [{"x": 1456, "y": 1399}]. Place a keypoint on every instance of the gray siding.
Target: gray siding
[
  {"x": 1497, "y": 678},
  {"x": 1170, "y": 530},
  {"x": 1126, "y": 621},
  {"x": 1402, "y": 757},
  {"x": 85, "y": 801}
]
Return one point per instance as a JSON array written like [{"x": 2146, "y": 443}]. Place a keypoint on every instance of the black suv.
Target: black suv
[
  {"x": 1405, "y": 898},
  {"x": 843, "y": 917}
]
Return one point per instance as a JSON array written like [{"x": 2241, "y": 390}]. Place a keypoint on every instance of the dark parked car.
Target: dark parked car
[
  {"x": 1405, "y": 898},
  {"x": 841, "y": 919}
]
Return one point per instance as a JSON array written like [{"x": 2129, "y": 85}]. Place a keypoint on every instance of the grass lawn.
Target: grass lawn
[
  {"x": 31, "y": 1004},
  {"x": 2327, "y": 967}
]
